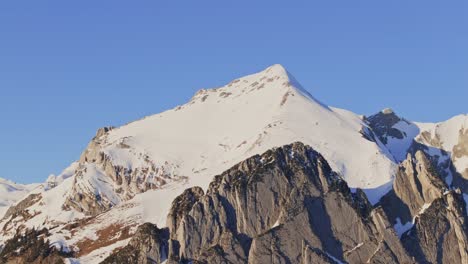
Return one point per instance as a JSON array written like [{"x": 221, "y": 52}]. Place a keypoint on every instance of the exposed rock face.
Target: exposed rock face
[
  {"x": 19, "y": 211},
  {"x": 315, "y": 256},
  {"x": 85, "y": 200},
  {"x": 149, "y": 245},
  {"x": 181, "y": 205},
  {"x": 285, "y": 206},
  {"x": 440, "y": 233},
  {"x": 20, "y": 207},
  {"x": 31, "y": 247},
  {"x": 417, "y": 182},
  {"x": 11, "y": 193}
]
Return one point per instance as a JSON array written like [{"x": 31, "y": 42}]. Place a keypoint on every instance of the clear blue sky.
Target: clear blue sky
[{"x": 70, "y": 67}]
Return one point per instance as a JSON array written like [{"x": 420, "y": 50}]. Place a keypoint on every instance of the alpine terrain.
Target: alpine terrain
[{"x": 256, "y": 171}]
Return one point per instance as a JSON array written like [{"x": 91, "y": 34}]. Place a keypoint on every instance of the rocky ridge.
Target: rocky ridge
[
  {"x": 288, "y": 206},
  {"x": 285, "y": 206}
]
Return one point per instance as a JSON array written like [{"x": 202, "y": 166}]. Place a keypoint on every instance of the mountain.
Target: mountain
[{"x": 383, "y": 172}]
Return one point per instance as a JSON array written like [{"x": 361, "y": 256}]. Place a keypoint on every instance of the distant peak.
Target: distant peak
[
  {"x": 6, "y": 181},
  {"x": 387, "y": 111}
]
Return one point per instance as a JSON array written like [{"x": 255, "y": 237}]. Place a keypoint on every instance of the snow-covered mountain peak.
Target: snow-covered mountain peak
[
  {"x": 273, "y": 82},
  {"x": 245, "y": 107},
  {"x": 277, "y": 69},
  {"x": 222, "y": 126}
]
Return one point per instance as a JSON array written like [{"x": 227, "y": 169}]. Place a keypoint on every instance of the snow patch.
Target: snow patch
[
  {"x": 276, "y": 224},
  {"x": 399, "y": 147}
]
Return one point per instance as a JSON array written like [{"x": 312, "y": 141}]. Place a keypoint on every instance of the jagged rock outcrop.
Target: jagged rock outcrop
[
  {"x": 276, "y": 208},
  {"x": 440, "y": 233},
  {"x": 20, "y": 211},
  {"x": 149, "y": 245},
  {"x": 122, "y": 183},
  {"x": 435, "y": 216},
  {"x": 396, "y": 135},
  {"x": 451, "y": 139},
  {"x": 31, "y": 247},
  {"x": 416, "y": 185},
  {"x": 19, "y": 208},
  {"x": 179, "y": 208},
  {"x": 182, "y": 204},
  {"x": 417, "y": 182}
]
